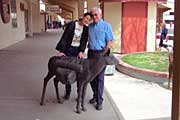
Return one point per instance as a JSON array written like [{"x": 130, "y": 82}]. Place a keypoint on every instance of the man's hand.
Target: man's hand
[
  {"x": 106, "y": 52},
  {"x": 60, "y": 54},
  {"x": 107, "y": 48}
]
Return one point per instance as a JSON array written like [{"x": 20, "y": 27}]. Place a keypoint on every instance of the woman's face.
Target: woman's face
[{"x": 86, "y": 20}]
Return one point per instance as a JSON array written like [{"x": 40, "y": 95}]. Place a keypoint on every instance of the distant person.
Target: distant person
[
  {"x": 163, "y": 37},
  {"x": 73, "y": 41},
  {"x": 64, "y": 26},
  {"x": 59, "y": 23}
]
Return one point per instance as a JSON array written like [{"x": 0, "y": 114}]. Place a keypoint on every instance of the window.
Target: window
[
  {"x": 85, "y": 6},
  {"x": 14, "y": 13},
  {"x": 171, "y": 13}
]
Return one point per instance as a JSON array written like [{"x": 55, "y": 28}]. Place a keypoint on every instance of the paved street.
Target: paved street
[{"x": 23, "y": 67}]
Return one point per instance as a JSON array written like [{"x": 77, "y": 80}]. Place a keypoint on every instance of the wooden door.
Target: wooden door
[{"x": 134, "y": 27}]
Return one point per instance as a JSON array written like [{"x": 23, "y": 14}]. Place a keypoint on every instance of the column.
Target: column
[
  {"x": 30, "y": 32},
  {"x": 151, "y": 27},
  {"x": 38, "y": 28},
  {"x": 80, "y": 8},
  {"x": 176, "y": 78}
]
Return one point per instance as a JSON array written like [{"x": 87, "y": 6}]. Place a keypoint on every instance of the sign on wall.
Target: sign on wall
[
  {"x": 53, "y": 8},
  {"x": 14, "y": 13}
]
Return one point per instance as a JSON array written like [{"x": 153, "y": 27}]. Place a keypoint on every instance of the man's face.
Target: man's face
[{"x": 96, "y": 16}]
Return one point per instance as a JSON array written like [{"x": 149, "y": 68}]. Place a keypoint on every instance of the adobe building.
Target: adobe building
[
  {"x": 133, "y": 23},
  {"x": 24, "y": 21}
]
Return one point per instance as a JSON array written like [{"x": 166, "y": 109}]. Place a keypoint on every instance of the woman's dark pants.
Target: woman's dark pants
[{"x": 72, "y": 52}]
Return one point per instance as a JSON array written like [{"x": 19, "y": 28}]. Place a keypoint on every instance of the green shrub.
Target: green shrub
[{"x": 157, "y": 61}]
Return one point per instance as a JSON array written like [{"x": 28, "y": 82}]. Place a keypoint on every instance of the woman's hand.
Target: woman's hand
[
  {"x": 60, "y": 54},
  {"x": 80, "y": 55}
]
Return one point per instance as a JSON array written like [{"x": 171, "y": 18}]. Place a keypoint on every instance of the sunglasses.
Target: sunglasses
[{"x": 94, "y": 14}]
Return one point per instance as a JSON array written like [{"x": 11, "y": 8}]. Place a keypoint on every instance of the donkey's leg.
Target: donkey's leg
[
  {"x": 46, "y": 80},
  {"x": 83, "y": 97},
  {"x": 79, "y": 90},
  {"x": 56, "y": 81}
]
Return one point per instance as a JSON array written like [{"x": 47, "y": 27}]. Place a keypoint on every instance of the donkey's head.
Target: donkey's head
[
  {"x": 111, "y": 60},
  {"x": 106, "y": 60}
]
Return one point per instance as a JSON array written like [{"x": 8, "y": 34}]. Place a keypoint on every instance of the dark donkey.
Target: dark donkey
[
  {"x": 91, "y": 68},
  {"x": 63, "y": 70},
  {"x": 87, "y": 70}
]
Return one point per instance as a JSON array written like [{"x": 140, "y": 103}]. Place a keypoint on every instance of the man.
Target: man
[
  {"x": 163, "y": 37},
  {"x": 73, "y": 41},
  {"x": 100, "y": 38}
]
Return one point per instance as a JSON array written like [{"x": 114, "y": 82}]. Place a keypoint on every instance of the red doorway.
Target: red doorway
[{"x": 134, "y": 27}]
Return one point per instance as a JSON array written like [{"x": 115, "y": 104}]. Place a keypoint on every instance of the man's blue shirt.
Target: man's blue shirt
[{"x": 99, "y": 34}]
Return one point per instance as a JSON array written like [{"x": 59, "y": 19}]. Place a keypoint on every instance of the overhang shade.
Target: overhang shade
[
  {"x": 164, "y": 1},
  {"x": 164, "y": 7},
  {"x": 45, "y": 1}
]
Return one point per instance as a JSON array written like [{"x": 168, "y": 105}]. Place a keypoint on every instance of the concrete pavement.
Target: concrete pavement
[
  {"x": 23, "y": 67},
  {"x": 137, "y": 99}
]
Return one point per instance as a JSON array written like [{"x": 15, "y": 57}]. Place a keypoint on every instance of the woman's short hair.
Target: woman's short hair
[{"x": 87, "y": 13}]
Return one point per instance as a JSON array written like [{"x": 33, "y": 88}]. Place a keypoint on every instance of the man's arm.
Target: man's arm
[{"x": 109, "y": 38}]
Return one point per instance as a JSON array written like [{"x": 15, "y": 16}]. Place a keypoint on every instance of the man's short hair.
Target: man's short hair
[{"x": 96, "y": 9}]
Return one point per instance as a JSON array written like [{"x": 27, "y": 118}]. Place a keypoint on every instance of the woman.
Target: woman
[{"x": 73, "y": 41}]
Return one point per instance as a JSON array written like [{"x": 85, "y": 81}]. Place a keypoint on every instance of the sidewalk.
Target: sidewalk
[
  {"x": 137, "y": 99},
  {"x": 23, "y": 67}
]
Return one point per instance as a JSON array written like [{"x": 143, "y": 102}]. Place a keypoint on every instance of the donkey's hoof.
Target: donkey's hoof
[
  {"x": 84, "y": 109},
  {"x": 78, "y": 111},
  {"x": 41, "y": 103},
  {"x": 60, "y": 101}
]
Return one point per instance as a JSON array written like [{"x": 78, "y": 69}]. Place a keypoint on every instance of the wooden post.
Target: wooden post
[{"x": 176, "y": 78}]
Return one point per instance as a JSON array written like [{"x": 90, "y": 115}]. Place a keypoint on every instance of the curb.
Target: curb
[
  {"x": 114, "y": 106},
  {"x": 140, "y": 73}
]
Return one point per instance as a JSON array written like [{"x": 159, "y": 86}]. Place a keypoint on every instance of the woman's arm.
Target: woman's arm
[{"x": 62, "y": 44}]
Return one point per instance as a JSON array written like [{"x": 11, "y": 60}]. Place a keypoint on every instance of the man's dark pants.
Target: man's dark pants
[{"x": 97, "y": 84}]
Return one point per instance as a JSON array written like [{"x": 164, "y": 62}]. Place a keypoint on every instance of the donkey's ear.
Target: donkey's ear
[{"x": 112, "y": 60}]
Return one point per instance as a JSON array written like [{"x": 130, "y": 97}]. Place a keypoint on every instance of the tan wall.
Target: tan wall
[
  {"x": 112, "y": 14},
  {"x": 151, "y": 27}
]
